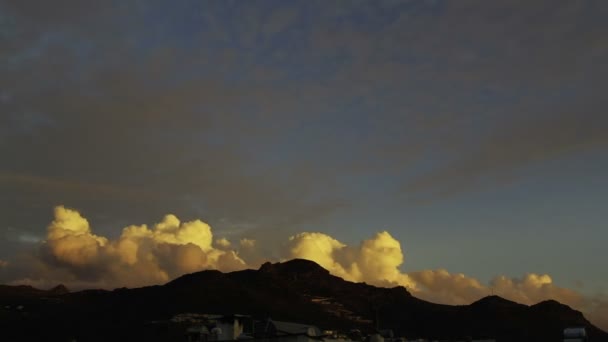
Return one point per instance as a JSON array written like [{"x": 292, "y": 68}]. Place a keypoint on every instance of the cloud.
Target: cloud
[
  {"x": 320, "y": 248},
  {"x": 503, "y": 150},
  {"x": 74, "y": 255},
  {"x": 598, "y": 311},
  {"x": 196, "y": 123},
  {"x": 223, "y": 243},
  {"x": 80, "y": 189},
  {"x": 306, "y": 108},
  {"x": 279, "y": 20},
  {"x": 201, "y": 110},
  {"x": 442, "y": 287},
  {"x": 141, "y": 255},
  {"x": 533, "y": 288},
  {"x": 247, "y": 243},
  {"x": 70, "y": 239},
  {"x": 376, "y": 260}
]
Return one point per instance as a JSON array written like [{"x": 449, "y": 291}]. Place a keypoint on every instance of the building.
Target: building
[{"x": 278, "y": 331}]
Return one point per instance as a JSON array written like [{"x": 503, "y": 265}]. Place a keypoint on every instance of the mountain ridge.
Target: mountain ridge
[{"x": 297, "y": 290}]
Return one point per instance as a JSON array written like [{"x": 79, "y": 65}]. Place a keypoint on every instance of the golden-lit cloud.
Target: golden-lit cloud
[
  {"x": 442, "y": 287},
  {"x": 70, "y": 238},
  {"x": 375, "y": 261},
  {"x": 456, "y": 288},
  {"x": 320, "y": 248},
  {"x": 533, "y": 288},
  {"x": 378, "y": 260},
  {"x": 223, "y": 243},
  {"x": 143, "y": 255}
]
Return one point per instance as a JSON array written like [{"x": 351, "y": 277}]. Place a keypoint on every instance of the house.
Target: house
[{"x": 279, "y": 331}]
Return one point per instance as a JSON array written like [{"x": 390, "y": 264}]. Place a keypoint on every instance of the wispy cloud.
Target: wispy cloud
[
  {"x": 497, "y": 154},
  {"x": 271, "y": 118}
]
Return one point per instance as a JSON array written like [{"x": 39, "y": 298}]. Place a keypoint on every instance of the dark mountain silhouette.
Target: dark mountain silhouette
[
  {"x": 297, "y": 290},
  {"x": 20, "y": 291},
  {"x": 59, "y": 290}
]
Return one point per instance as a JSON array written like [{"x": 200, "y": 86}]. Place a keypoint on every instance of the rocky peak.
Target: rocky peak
[
  {"x": 59, "y": 290},
  {"x": 297, "y": 267}
]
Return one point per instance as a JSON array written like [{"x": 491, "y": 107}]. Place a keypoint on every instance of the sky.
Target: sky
[{"x": 458, "y": 148}]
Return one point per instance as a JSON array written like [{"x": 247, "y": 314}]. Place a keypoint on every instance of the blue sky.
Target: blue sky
[{"x": 473, "y": 131}]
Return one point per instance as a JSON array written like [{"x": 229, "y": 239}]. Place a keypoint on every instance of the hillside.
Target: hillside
[{"x": 297, "y": 290}]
